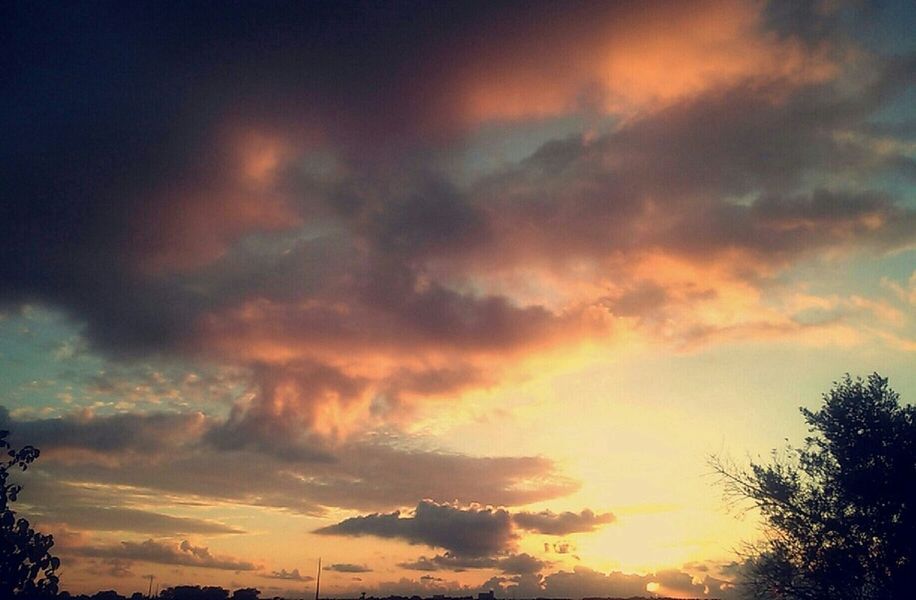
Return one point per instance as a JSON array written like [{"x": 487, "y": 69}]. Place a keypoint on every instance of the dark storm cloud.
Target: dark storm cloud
[
  {"x": 563, "y": 523},
  {"x": 471, "y": 532},
  {"x": 108, "y": 135},
  {"x": 183, "y": 554},
  {"x": 253, "y": 187}
]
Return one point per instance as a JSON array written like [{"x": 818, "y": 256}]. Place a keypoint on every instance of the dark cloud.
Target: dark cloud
[
  {"x": 89, "y": 195},
  {"x": 521, "y": 564},
  {"x": 645, "y": 186},
  {"x": 119, "y": 434},
  {"x": 348, "y": 568},
  {"x": 253, "y": 189},
  {"x": 184, "y": 554},
  {"x": 564, "y": 523},
  {"x": 471, "y": 532},
  {"x": 559, "y": 547},
  {"x": 474, "y": 537}
]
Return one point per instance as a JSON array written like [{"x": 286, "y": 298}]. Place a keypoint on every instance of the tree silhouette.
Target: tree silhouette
[
  {"x": 27, "y": 570},
  {"x": 840, "y": 512}
]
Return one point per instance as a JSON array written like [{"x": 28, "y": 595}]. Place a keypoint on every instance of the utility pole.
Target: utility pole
[
  {"x": 149, "y": 594},
  {"x": 318, "y": 579}
]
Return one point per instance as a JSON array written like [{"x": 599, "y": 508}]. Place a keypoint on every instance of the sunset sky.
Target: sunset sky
[{"x": 454, "y": 295}]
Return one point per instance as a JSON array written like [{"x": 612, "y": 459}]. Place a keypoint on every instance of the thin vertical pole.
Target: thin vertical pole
[{"x": 318, "y": 579}]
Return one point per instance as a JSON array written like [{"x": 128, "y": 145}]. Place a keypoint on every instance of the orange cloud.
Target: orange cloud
[
  {"x": 230, "y": 193},
  {"x": 629, "y": 58}
]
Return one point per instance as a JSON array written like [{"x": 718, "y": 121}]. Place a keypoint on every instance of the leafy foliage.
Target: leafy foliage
[
  {"x": 840, "y": 513},
  {"x": 27, "y": 569}
]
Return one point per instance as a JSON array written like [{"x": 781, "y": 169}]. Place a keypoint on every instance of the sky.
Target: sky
[{"x": 456, "y": 296}]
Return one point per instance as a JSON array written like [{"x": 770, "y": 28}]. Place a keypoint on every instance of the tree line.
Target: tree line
[{"x": 179, "y": 592}]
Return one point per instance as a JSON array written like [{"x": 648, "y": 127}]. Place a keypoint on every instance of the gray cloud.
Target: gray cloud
[
  {"x": 564, "y": 523},
  {"x": 585, "y": 583},
  {"x": 362, "y": 475},
  {"x": 579, "y": 583},
  {"x": 111, "y": 567},
  {"x": 348, "y": 568},
  {"x": 293, "y": 575},
  {"x": 474, "y": 537},
  {"x": 381, "y": 261},
  {"x": 586, "y": 198},
  {"x": 118, "y": 434},
  {"x": 472, "y": 532},
  {"x": 511, "y": 563},
  {"x": 183, "y": 554},
  {"x": 379, "y": 254},
  {"x": 100, "y": 508}
]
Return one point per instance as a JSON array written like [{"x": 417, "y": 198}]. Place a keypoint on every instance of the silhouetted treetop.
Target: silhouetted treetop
[
  {"x": 27, "y": 569},
  {"x": 840, "y": 512}
]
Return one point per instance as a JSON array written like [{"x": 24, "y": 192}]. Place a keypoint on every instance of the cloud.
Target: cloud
[
  {"x": 127, "y": 519},
  {"x": 111, "y": 567},
  {"x": 89, "y": 506},
  {"x": 297, "y": 211},
  {"x": 69, "y": 482},
  {"x": 564, "y": 523},
  {"x": 289, "y": 575},
  {"x": 584, "y": 583},
  {"x": 120, "y": 434},
  {"x": 560, "y": 548},
  {"x": 579, "y": 583},
  {"x": 474, "y": 537},
  {"x": 340, "y": 259},
  {"x": 475, "y": 531},
  {"x": 184, "y": 554},
  {"x": 350, "y": 280},
  {"x": 512, "y": 563},
  {"x": 348, "y": 568}
]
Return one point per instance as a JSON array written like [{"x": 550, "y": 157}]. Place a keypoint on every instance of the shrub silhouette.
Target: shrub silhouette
[
  {"x": 27, "y": 570},
  {"x": 840, "y": 512}
]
